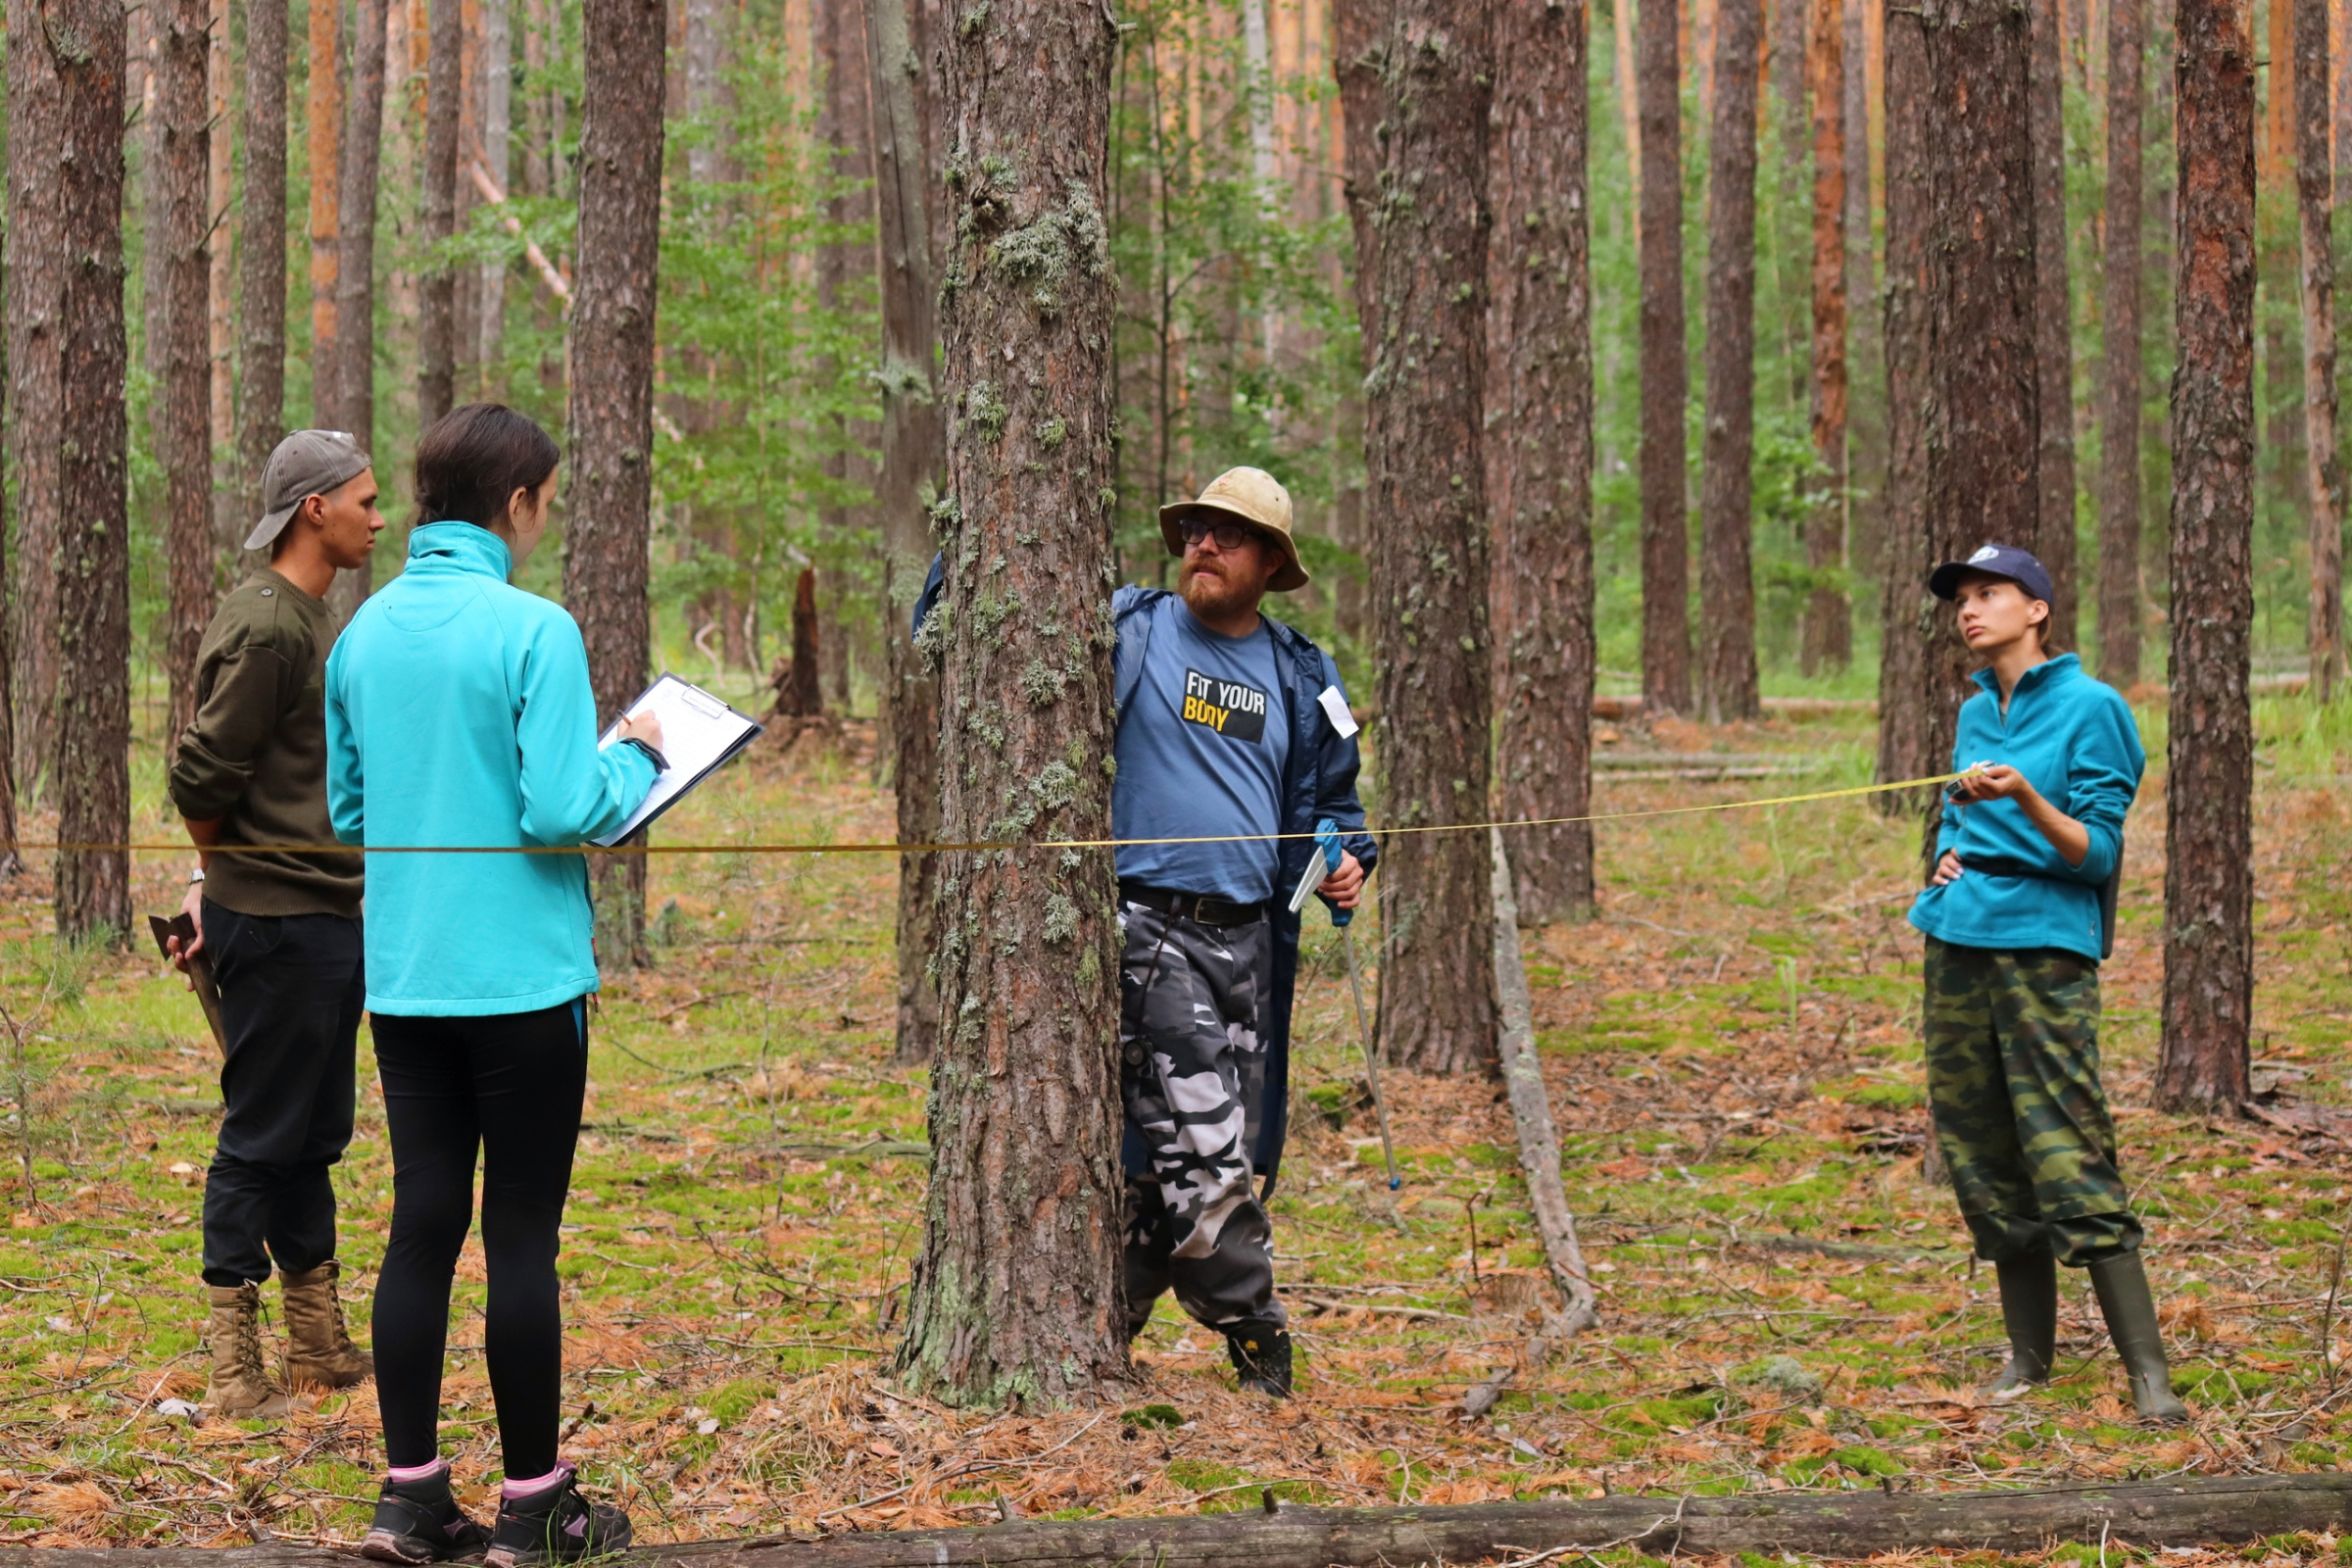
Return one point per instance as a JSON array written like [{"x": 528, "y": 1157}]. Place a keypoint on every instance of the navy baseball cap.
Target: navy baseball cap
[{"x": 1993, "y": 561}]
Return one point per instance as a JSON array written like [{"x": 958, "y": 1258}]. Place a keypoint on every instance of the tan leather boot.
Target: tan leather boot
[
  {"x": 319, "y": 1349},
  {"x": 241, "y": 1386}
]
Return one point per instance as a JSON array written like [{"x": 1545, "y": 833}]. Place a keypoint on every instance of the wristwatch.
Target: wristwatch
[{"x": 196, "y": 876}]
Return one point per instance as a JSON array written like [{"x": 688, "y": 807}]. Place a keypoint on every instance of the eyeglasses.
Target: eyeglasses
[{"x": 1229, "y": 535}]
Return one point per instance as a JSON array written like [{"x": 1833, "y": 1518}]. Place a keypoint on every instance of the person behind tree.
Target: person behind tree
[
  {"x": 1229, "y": 722},
  {"x": 2015, "y": 926},
  {"x": 280, "y": 927}
]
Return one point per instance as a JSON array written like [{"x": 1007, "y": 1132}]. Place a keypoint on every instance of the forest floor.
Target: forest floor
[{"x": 1733, "y": 1059}]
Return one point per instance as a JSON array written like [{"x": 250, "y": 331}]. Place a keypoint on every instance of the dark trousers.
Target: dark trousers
[
  {"x": 510, "y": 1086},
  {"x": 292, "y": 988}
]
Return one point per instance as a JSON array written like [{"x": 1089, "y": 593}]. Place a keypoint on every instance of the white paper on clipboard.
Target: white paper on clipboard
[{"x": 699, "y": 731}]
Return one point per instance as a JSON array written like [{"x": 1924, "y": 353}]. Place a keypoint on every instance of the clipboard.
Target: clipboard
[
  {"x": 700, "y": 733},
  {"x": 200, "y": 970}
]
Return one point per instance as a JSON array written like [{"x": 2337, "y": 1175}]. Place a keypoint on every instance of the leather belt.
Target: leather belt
[
  {"x": 2007, "y": 866},
  {"x": 1198, "y": 906}
]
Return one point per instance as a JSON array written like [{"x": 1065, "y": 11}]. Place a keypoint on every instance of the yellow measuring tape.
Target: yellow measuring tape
[{"x": 978, "y": 845}]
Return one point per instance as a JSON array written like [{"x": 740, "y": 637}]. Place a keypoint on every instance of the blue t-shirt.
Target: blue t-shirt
[{"x": 1203, "y": 733}]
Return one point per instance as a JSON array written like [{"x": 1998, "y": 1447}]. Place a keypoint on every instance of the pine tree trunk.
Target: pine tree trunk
[
  {"x": 1665, "y": 369},
  {"x": 1726, "y": 590},
  {"x": 2209, "y": 848},
  {"x": 1909, "y": 614},
  {"x": 1866, "y": 363},
  {"x": 2120, "y": 369},
  {"x": 845, "y": 125},
  {"x": 1416, "y": 83},
  {"x": 262, "y": 256},
  {"x": 1540, "y": 457},
  {"x": 36, "y": 281},
  {"x": 325, "y": 108},
  {"x": 354, "y": 361},
  {"x": 913, "y": 456},
  {"x": 497, "y": 123},
  {"x": 799, "y": 695},
  {"x": 2053, "y": 323},
  {"x": 612, "y": 415},
  {"x": 220, "y": 289},
  {"x": 1829, "y": 633},
  {"x": 179, "y": 172},
  {"x": 85, "y": 40},
  {"x": 1017, "y": 1294},
  {"x": 2325, "y": 476},
  {"x": 10, "y": 861},
  {"x": 438, "y": 287}
]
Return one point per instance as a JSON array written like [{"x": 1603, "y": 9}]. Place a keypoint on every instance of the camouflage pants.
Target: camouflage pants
[
  {"x": 1192, "y": 1070},
  {"x": 2013, "y": 1083}
]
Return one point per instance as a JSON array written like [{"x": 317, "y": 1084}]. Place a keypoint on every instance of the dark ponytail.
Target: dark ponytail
[{"x": 473, "y": 460}]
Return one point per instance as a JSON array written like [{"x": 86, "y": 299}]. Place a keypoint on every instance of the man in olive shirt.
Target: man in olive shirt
[{"x": 282, "y": 930}]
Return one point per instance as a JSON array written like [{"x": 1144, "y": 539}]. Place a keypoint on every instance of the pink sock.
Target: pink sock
[
  {"x": 402, "y": 1475},
  {"x": 525, "y": 1488}
]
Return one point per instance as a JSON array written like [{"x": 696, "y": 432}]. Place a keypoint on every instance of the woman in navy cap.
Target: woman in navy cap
[{"x": 2017, "y": 917}]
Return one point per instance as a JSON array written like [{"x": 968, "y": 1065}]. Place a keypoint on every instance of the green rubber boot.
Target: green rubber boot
[
  {"x": 2029, "y": 1311},
  {"x": 2122, "y": 1285}
]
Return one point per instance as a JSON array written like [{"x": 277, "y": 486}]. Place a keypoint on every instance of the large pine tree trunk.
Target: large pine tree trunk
[
  {"x": 1665, "y": 367},
  {"x": 36, "y": 277},
  {"x": 2053, "y": 320},
  {"x": 220, "y": 292},
  {"x": 362, "y": 154},
  {"x": 605, "y": 568},
  {"x": 1539, "y": 454},
  {"x": 437, "y": 287},
  {"x": 497, "y": 126},
  {"x": 845, "y": 125},
  {"x": 324, "y": 111},
  {"x": 2209, "y": 837},
  {"x": 1415, "y": 83},
  {"x": 262, "y": 256},
  {"x": 180, "y": 170},
  {"x": 1829, "y": 635},
  {"x": 1727, "y": 591},
  {"x": 1016, "y": 1292},
  {"x": 913, "y": 443},
  {"x": 1909, "y": 614},
  {"x": 2326, "y": 629},
  {"x": 2120, "y": 366},
  {"x": 1865, "y": 408},
  {"x": 85, "y": 40}
]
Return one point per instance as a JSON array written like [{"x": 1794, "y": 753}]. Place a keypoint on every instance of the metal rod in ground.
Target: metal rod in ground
[{"x": 1363, "y": 1030}]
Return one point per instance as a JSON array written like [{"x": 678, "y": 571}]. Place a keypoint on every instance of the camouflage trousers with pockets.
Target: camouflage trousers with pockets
[
  {"x": 1192, "y": 1069},
  {"x": 2013, "y": 1084}
]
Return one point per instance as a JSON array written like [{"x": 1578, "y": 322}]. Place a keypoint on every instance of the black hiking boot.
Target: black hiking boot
[
  {"x": 419, "y": 1521},
  {"x": 555, "y": 1524},
  {"x": 1261, "y": 1355}
]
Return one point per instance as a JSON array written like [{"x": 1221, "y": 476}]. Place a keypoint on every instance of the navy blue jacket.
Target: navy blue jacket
[{"x": 1318, "y": 782}]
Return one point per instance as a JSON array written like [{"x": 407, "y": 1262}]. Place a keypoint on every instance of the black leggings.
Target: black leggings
[{"x": 510, "y": 1085}]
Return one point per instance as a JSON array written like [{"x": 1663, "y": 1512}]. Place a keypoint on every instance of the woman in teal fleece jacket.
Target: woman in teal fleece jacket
[
  {"x": 2015, "y": 933},
  {"x": 458, "y": 713}
]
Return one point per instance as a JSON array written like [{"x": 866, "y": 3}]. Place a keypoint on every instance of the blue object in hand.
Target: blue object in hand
[{"x": 1327, "y": 839}]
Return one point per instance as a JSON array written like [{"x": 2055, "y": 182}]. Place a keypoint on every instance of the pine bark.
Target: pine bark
[
  {"x": 913, "y": 456},
  {"x": 2053, "y": 321},
  {"x": 2209, "y": 848},
  {"x": 1665, "y": 369},
  {"x": 2326, "y": 472},
  {"x": 1539, "y": 454},
  {"x": 85, "y": 40},
  {"x": 1727, "y": 591},
  {"x": 2120, "y": 366},
  {"x": 1017, "y": 1294},
  {"x": 1865, "y": 362},
  {"x": 362, "y": 157},
  {"x": 437, "y": 285},
  {"x": 36, "y": 281},
  {"x": 262, "y": 256},
  {"x": 498, "y": 124},
  {"x": 325, "y": 113},
  {"x": 844, "y": 126},
  {"x": 611, "y": 410},
  {"x": 221, "y": 288},
  {"x": 1416, "y": 84},
  {"x": 180, "y": 171},
  {"x": 1910, "y": 614},
  {"x": 1829, "y": 634}
]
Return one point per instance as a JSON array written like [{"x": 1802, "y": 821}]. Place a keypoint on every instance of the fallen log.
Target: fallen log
[{"x": 2191, "y": 1511}]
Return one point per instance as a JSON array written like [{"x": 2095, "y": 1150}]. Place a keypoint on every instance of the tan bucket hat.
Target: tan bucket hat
[{"x": 1256, "y": 498}]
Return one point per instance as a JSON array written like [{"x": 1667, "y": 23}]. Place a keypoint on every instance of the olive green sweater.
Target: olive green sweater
[{"x": 256, "y": 752}]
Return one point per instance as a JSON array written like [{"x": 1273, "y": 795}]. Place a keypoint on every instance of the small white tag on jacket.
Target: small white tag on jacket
[{"x": 1334, "y": 704}]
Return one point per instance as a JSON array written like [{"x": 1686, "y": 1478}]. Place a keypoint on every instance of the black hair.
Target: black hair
[{"x": 473, "y": 461}]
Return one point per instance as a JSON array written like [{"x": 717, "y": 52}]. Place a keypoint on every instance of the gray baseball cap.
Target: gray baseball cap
[{"x": 306, "y": 463}]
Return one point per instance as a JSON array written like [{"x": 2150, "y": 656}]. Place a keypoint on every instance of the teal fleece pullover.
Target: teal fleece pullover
[
  {"x": 457, "y": 711},
  {"x": 2075, "y": 740}
]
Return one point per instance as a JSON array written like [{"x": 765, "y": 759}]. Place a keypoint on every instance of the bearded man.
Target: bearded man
[{"x": 1234, "y": 728}]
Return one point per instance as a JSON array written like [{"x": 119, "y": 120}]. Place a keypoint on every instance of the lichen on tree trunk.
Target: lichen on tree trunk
[{"x": 1016, "y": 1294}]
